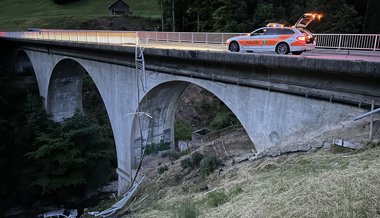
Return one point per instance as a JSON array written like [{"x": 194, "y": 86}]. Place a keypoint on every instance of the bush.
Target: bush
[
  {"x": 208, "y": 165},
  {"x": 162, "y": 169},
  {"x": 186, "y": 163},
  {"x": 193, "y": 161},
  {"x": 186, "y": 209},
  {"x": 182, "y": 130},
  {"x": 197, "y": 158},
  {"x": 155, "y": 148},
  {"x": 215, "y": 198}
]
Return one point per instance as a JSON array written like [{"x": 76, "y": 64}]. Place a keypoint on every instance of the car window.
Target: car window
[
  {"x": 259, "y": 32},
  {"x": 285, "y": 31},
  {"x": 271, "y": 31}
]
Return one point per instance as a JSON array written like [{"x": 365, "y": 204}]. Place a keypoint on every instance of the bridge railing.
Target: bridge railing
[
  {"x": 330, "y": 41},
  {"x": 349, "y": 41},
  {"x": 87, "y": 36},
  {"x": 190, "y": 37}
]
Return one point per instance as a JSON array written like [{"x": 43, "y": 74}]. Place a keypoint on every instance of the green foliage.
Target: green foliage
[
  {"x": 245, "y": 16},
  {"x": 186, "y": 209},
  {"x": 155, "y": 148},
  {"x": 222, "y": 116},
  {"x": 345, "y": 20},
  {"x": 76, "y": 153},
  {"x": 193, "y": 161},
  {"x": 235, "y": 191},
  {"x": 216, "y": 198},
  {"x": 162, "y": 169},
  {"x": 208, "y": 165},
  {"x": 64, "y": 1},
  {"x": 182, "y": 130},
  {"x": 230, "y": 16}
]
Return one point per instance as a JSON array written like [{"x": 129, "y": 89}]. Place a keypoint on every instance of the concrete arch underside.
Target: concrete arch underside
[{"x": 269, "y": 118}]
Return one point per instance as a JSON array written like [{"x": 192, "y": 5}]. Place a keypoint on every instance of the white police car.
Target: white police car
[{"x": 276, "y": 37}]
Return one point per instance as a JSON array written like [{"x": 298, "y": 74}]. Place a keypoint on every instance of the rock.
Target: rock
[
  {"x": 303, "y": 147},
  {"x": 293, "y": 147},
  {"x": 352, "y": 144},
  {"x": 274, "y": 151},
  {"x": 316, "y": 144}
]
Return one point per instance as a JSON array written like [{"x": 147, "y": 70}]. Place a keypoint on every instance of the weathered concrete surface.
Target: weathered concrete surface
[{"x": 276, "y": 98}]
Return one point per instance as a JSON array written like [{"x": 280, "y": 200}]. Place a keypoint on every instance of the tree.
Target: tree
[
  {"x": 230, "y": 16},
  {"x": 345, "y": 20},
  {"x": 72, "y": 157}
]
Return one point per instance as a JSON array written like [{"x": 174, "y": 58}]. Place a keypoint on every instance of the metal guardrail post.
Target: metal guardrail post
[
  {"x": 192, "y": 37},
  {"x": 206, "y": 38},
  {"x": 375, "y": 44},
  {"x": 340, "y": 41}
]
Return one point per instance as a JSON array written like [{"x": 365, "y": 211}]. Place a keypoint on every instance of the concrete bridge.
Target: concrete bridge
[{"x": 275, "y": 97}]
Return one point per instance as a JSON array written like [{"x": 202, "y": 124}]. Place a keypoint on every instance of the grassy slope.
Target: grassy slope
[
  {"x": 20, "y": 14},
  {"x": 317, "y": 184}
]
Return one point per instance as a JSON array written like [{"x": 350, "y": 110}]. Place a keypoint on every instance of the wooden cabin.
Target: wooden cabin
[{"x": 119, "y": 7}]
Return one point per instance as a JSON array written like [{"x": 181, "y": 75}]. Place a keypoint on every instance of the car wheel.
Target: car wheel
[
  {"x": 234, "y": 47},
  {"x": 297, "y": 52},
  {"x": 282, "y": 48}
]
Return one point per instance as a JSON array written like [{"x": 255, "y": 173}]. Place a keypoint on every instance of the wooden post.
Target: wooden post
[{"x": 372, "y": 117}]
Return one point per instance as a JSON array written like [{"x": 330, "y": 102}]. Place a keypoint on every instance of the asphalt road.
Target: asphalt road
[{"x": 368, "y": 56}]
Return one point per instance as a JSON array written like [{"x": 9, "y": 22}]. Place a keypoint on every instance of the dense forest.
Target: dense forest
[{"x": 339, "y": 16}]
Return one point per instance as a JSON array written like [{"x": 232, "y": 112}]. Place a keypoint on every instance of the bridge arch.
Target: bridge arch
[
  {"x": 65, "y": 89},
  {"x": 23, "y": 65},
  {"x": 155, "y": 117}
]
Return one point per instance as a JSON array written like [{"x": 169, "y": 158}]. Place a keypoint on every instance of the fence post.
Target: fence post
[
  {"x": 206, "y": 38},
  {"x": 375, "y": 45},
  {"x": 340, "y": 41}
]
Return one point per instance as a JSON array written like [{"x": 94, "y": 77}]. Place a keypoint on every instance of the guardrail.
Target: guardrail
[
  {"x": 349, "y": 41},
  {"x": 331, "y": 41},
  {"x": 86, "y": 36}
]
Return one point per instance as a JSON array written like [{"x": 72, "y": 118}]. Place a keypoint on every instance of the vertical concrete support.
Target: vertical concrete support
[
  {"x": 43, "y": 64},
  {"x": 118, "y": 87}
]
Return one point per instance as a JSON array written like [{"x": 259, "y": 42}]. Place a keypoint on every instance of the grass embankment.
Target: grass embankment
[
  {"x": 316, "y": 184},
  {"x": 24, "y": 14}
]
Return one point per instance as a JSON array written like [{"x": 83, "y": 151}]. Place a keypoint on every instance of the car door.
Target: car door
[
  {"x": 269, "y": 39},
  {"x": 254, "y": 41}
]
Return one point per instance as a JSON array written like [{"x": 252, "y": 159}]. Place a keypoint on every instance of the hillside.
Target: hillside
[
  {"x": 334, "y": 182},
  {"x": 23, "y": 14}
]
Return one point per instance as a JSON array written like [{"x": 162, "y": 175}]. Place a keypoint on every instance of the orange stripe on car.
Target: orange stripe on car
[
  {"x": 298, "y": 43},
  {"x": 250, "y": 42}
]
